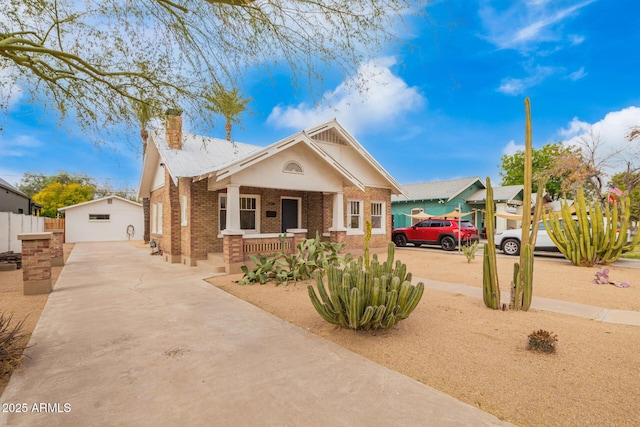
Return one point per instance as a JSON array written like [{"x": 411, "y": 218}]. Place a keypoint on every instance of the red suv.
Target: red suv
[{"x": 436, "y": 231}]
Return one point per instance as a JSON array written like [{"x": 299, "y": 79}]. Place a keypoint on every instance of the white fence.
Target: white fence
[{"x": 13, "y": 224}]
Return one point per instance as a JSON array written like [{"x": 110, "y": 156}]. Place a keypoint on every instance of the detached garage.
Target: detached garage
[{"x": 106, "y": 219}]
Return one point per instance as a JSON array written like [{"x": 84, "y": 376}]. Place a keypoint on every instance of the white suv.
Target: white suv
[{"x": 509, "y": 241}]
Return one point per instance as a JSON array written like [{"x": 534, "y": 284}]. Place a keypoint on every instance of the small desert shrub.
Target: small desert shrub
[
  {"x": 542, "y": 341},
  {"x": 12, "y": 344},
  {"x": 470, "y": 251}
]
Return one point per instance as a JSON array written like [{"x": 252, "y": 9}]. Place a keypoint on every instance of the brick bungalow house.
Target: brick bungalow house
[{"x": 207, "y": 198}]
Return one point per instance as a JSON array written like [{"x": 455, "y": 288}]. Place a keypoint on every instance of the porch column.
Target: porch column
[
  {"x": 233, "y": 207},
  {"x": 338, "y": 212}
]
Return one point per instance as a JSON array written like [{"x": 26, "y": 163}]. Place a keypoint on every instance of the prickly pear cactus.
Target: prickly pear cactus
[{"x": 358, "y": 297}]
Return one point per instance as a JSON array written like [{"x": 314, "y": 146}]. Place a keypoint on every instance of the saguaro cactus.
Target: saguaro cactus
[
  {"x": 371, "y": 298},
  {"x": 592, "y": 236},
  {"x": 490, "y": 284},
  {"x": 522, "y": 284}
]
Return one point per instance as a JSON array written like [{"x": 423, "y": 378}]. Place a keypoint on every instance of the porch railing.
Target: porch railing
[{"x": 265, "y": 246}]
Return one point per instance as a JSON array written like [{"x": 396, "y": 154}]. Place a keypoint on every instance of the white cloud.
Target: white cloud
[
  {"x": 18, "y": 146},
  {"x": 610, "y": 135},
  {"x": 575, "y": 127},
  {"x": 513, "y": 86},
  {"x": 576, "y": 39},
  {"x": 372, "y": 98},
  {"x": 526, "y": 24},
  {"x": 512, "y": 148},
  {"x": 577, "y": 75}
]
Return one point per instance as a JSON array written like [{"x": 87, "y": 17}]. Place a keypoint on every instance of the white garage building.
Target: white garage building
[{"x": 107, "y": 219}]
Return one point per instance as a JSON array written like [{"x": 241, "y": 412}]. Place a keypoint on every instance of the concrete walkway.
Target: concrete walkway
[
  {"x": 126, "y": 339},
  {"x": 624, "y": 317}
]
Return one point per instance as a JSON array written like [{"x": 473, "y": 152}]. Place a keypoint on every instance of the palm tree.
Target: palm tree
[{"x": 229, "y": 104}]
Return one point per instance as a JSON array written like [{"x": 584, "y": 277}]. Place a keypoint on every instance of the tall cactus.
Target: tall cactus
[
  {"x": 592, "y": 236},
  {"x": 371, "y": 298},
  {"x": 522, "y": 285},
  {"x": 490, "y": 284}
]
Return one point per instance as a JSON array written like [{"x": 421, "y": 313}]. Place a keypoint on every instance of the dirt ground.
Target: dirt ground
[
  {"x": 455, "y": 344},
  {"x": 27, "y": 307}
]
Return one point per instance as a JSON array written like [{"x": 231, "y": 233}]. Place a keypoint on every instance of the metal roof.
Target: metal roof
[
  {"x": 434, "y": 190},
  {"x": 199, "y": 154},
  {"x": 508, "y": 192}
]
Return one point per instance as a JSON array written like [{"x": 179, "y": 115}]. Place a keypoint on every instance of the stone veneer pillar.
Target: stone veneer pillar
[
  {"x": 36, "y": 262},
  {"x": 232, "y": 251},
  {"x": 57, "y": 252}
]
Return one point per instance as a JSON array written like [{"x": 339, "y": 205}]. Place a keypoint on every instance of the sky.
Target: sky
[{"x": 446, "y": 103}]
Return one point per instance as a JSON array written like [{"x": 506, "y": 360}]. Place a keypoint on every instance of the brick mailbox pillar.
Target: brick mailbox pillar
[
  {"x": 57, "y": 254},
  {"x": 36, "y": 262},
  {"x": 232, "y": 251}
]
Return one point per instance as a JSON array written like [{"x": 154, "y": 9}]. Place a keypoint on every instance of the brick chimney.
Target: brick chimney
[{"x": 174, "y": 128}]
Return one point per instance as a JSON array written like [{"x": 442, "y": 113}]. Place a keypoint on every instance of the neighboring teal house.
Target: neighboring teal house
[
  {"x": 436, "y": 199},
  {"x": 440, "y": 198}
]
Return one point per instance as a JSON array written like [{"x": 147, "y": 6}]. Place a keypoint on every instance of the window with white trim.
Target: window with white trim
[
  {"x": 354, "y": 215},
  {"x": 159, "y": 218},
  {"x": 249, "y": 212},
  {"x": 183, "y": 210},
  {"x": 222, "y": 211},
  {"x": 154, "y": 222},
  {"x": 378, "y": 216}
]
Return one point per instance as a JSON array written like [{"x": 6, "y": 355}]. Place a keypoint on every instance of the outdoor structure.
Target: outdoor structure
[
  {"x": 217, "y": 199},
  {"x": 109, "y": 218},
  {"x": 14, "y": 200},
  {"x": 444, "y": 198}
]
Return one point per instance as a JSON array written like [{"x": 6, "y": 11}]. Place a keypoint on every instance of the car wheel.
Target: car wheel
[
  {"x": 511, "y": 247},
  {"x": 448, "y": 243},
  {"x": 400, "y": 240}
]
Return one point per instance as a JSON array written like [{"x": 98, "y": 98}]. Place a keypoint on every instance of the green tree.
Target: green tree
[
  {"x": 58, "y": 195},
  {"x": 543, "y": 162},
  {"x": 32, "y": 183},
  {"x": 90, "y": 59},
  {"x": 629, "y": 182},
  {"x": 229, "y": 104}
]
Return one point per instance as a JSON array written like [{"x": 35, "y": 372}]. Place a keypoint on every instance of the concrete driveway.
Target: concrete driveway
[{"x": 127, "y": 339}]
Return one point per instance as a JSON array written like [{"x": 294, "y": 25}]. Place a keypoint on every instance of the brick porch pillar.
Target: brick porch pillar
[
  {"x": 232, "y": 252},
  {"x": 36, "y": 262},
  {"x": 57, "y": 253},
  {"x": 299, "y": 235},
  {"x": 336, "y": 236}
]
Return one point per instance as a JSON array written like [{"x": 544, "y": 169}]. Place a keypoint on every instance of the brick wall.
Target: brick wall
[{"x": 371, "y": 194}]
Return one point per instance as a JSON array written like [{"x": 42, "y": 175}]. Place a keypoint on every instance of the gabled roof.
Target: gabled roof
[
  {"x": 203, "y": 157},
  {"x": 99, "y": 200},
  {"x": 4, "y": 184},
  {"x": 437, "y": 190},
  {"x": 505, "y": 193}
]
